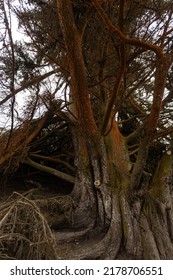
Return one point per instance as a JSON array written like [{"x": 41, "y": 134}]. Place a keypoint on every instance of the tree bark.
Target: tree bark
[{"x": 109, "y": 201}]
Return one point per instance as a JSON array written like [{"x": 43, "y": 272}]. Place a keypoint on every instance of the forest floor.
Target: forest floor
[
  {"x": 38, "y": 185},
  {"x": 45, "y": 187}
]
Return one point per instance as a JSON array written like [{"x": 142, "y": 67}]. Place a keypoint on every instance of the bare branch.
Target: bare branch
[
  {"x": 27, "y": 84},
  {"x": 50, "y": 170}
]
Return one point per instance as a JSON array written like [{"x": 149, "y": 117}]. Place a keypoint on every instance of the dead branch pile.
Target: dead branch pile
[
  {"x": 57, "y": 210},
  {"x": 24, "y": 232}
]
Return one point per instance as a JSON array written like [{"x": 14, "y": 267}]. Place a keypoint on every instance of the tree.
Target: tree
[{"x": 113, "y": 61}]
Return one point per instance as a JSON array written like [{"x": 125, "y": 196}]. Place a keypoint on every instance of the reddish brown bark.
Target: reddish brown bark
[
  {"x": 78, "y": 76},
  {"x": 162, "y": 67},
  {"x": 20, "y": 138},
  {"x": 131, "y": 41}
]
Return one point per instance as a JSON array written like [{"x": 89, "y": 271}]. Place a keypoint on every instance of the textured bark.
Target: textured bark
[
  {"x": 110, "y": 204},
  {"x": 124, "y": 225}
]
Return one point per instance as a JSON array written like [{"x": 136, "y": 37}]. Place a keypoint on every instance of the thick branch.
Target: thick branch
[
  {"x": 77, "y": 68},
  {"x": 116, "y": 95},
  {"x": 130, "y": 41},
  {"x": 55, "y": 160},
  {"x": 140, "y": 163},
  {"x": 50, "y": 170},
  {"x": 162, "y": 66}
]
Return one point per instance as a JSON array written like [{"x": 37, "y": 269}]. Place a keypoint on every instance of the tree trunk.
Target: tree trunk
[
  {"x": 124, "y": 223},
  {"x": 120, "y": 218},
  {"x": 157, "y": 215}
]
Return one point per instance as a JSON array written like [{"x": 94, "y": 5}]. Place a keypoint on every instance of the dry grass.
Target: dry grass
[{"x": 24, "y": 231}]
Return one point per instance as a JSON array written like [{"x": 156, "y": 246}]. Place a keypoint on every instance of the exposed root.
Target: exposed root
[{"x": 94, "y": 247}]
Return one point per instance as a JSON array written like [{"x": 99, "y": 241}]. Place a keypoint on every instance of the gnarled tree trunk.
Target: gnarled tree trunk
[
  {"x": 110, "y": 204},
  {"x": 125, "y": 223}
]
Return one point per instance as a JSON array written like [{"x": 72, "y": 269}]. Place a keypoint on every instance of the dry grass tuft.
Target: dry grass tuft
[{"x": 24, "y": 232}]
